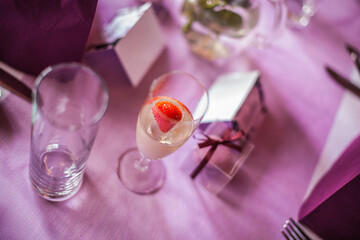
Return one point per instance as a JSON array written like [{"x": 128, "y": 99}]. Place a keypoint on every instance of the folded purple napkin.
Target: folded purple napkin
[
  {"x": 38, "y": 33},
  {"x": 332, "y": 210}
]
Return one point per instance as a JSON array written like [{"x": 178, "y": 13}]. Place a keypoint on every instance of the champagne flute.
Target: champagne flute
[{"x": 173, "y": 109}]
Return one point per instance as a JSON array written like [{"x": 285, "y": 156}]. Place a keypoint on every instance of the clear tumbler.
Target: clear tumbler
[{"x": 69, "y": 100}]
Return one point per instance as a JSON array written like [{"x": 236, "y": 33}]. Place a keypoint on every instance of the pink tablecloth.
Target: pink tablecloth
[{"x": 302, "y": 102}]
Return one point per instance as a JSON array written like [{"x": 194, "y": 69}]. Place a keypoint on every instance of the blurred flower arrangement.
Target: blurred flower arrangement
[{"x": 209, "y": 20}]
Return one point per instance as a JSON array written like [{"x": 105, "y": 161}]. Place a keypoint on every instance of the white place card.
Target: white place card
[
  {"x": 136, "y": 36},
  {"x": 141, "y": 46}
]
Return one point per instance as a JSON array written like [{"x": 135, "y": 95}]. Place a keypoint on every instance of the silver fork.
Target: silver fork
[{"x": 293, "y": 231}]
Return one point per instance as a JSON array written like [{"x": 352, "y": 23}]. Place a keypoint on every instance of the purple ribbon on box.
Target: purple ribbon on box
[{"x": 230, "y": 135}]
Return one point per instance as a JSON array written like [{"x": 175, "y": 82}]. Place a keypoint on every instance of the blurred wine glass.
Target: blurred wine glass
[{"x": 218, "y": 29}]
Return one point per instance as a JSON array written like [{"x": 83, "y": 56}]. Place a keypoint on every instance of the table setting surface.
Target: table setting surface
[{"x": 302, "y": 103}]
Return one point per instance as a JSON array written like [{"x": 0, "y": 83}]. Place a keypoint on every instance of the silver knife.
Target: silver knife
[{"x": 14, "y": 85}]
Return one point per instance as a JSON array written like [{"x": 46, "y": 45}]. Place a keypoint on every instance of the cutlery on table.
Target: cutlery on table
[
  {"x": 14, "y": 85},
  {"x": 293, "y": 231},
  {"x": 347, "y": 84}
]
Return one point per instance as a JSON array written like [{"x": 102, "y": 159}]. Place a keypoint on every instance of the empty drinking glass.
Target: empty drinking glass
[{"x": 69, "y": 100}]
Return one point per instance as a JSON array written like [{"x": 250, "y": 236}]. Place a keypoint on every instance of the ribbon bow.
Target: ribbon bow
[{"x": 226, "y": 140}]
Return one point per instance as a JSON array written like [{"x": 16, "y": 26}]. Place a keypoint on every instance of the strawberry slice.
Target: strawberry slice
[{"x": 166, "y": 115}]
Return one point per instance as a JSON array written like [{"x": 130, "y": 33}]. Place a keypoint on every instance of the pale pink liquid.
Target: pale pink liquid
[{"x": 155, "y": 144}]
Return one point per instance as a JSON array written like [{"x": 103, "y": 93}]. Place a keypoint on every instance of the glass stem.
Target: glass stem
[{"x": 142, "y": 164}]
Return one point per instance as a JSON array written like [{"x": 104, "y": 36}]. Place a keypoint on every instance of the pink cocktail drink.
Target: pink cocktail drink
[{"x": 164, "y": 124}]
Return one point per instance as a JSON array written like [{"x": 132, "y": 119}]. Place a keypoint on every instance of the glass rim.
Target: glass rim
[
  {"x": 152, "y": 86},
  {"x": 99, "y": 114}
]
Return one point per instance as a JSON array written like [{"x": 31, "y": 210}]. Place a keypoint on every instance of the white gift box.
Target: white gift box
[
  {"x": 223, "y": 164},
  {"x": 236, "y": 104},
  {"x": 236, "y": 97}
]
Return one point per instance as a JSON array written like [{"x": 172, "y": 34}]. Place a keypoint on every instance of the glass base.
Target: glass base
[
  {"x": 139, "y": 174},
  {"x": 53, "y": 196}
]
